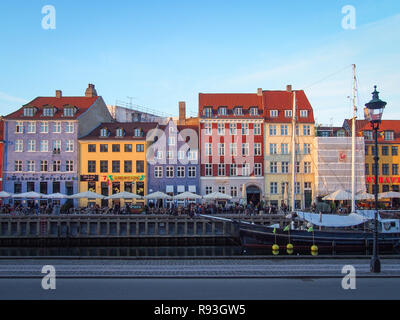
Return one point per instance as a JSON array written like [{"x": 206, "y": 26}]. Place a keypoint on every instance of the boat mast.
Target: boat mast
[
  {"x": 353, "y": 145},
  {"x": 294, "y": 152}
]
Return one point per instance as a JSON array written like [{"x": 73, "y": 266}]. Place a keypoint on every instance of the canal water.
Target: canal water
[{"x": 181, "y": 252}]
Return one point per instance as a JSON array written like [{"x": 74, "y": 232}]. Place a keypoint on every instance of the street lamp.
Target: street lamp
[{"x": 373, "y": 113}]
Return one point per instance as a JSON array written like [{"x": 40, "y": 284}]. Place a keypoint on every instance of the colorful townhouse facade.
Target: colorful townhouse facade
[
  {"x": 278, "y": 111},
  {"x": 174, "y": 160},
  {"x": 232, "y": 143},
  {"x": 1, "y": 151},
  {"x": 41, "y": 142},
  {"x": 388, "y": 153},
  {"x": 113, "y": 159}
]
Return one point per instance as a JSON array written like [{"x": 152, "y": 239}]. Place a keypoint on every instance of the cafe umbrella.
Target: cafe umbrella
[{"x": 124, "y": 195}]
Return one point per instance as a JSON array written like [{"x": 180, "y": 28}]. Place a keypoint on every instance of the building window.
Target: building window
[
  {"x": 272, "y": 130},
  {"x": 180, "y": 172},
  {"x": 238, "y": 111},
  {"x": 273, "y": 167},
  {"x": 258, "y": 169},
  {"x": 367, "y": 169},
  {"x": 307, "y": 148},
  {"x": 19, "y": 146},
  {"x": 221, "y": 149},
  {"x": 307, "y": 167},
  {"x": 139, "y": 166},
  {"x": 257, "y": 149},
  {"x": 232, "y": 149},
  {"x": 170, "y": 172},
  {"x": 208, "y": 149},
  {"x": 245, "y": 129},
  {"x": 57, "y": 127},
  {"x": 283, "y": 186},
  {"x": 385, "y": 188},
  {"x": 69, "y": 128},
  {"x": 232, "y": 129},
  {"x": 284, "y": 148},
  {"x": 68, "y": 112},
  {"x": 137, "y": 132},
  {"x": 207, "y": 129},
  {"x": 30, "y": 186},
  {"x": 221, "y": 189},
  {"x": 56, "y": 146},
  {"x": 209, "y": 189},
  {"x": 307, "y": 186},
  {"x": 395, "y": 169},
  {"x": 389, "y": 135},
  {"x": 171, "y": 141},
  {"x": 104, "y": 148},
  {"x": 207, "y": 112},
  {"x": 18, "y": 165},
  {"x": 91, "y": 166},
  {"x": 385, "y": 169},
  {"x": 192, "y": 155},
  {"x": 208, "y": 170},
  {"x": 284, "y": 130},
  {"x": 140, "y": 148},
  {"x": 297, "y": 166},
  {"x": 56, "y": 187},
  {"x": 128, "y": 148},
  {"x": 28, "y": 112},
  {"x": 127, "y": 166},
  {"x": 115, "y": 148},
  {"x": 31, "y": 146},
  {"x": 233, "y": 170},
  {"x": 31, "y": 127},
  {"x": 254, "y": 111},
  {"x": 158, "y": 172},
  {"x": 234, "y": 191},
  {"x": 69, "y": 166},
  {"x": 274, "y": 187},
  {"x": 17, "y": 187},
  {"x": 222, "y": 111},
  {"x": 368, "y": 134},
  {"x": 103, "y": 166},
  {"x": 385, "y": 150},
  {"x": 297, "y": 188},
  {"x": 306, "y": 130},
  {"x": 285, "y": 167},
  {"x": 366, "y": 150},
  {"x": 170, "y": 155},
  {"x": 303, "y": 113},
  {"x": 257, "y": 129},
  {"x": 91, "y": 148},
  {"x": 273, "y": 113},
  {"x": 221, "y": 129},
  {"x": 119, "y": 132},
  {"x": 44, "y": 127},
  {"x": 19, "y": 127},
  {"x": 70, "y": 146},
  {"x": 192, "y": 172},
  {"x": 221, "y": 169},
  {"x": 56, "y": 165},
  {"x": 44, "y": 167},
  {"x": 246, "y": 169},
  {"x": 245, "y": 149},
  {"x": 395, "y": 151},
  {"x": 48, "y": 112},
  {"x": 373, "y": 170},
  {"x": 288, "y": 113}
]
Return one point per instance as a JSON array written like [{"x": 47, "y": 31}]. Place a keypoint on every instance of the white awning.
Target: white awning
[
  {"x": 169, "y": 189},
  {"x": 181, "y": 189}
]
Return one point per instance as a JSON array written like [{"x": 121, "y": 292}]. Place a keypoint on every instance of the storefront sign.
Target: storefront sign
[
  {"x": 89, "y": 177},
  {"x": 112, "y": 178},
  {"x": 388, "y": 180}
]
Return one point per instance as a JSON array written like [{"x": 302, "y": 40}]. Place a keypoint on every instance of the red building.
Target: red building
[
  {"x": 232, "y": 142},
  {"x": 1, "y": 152}
]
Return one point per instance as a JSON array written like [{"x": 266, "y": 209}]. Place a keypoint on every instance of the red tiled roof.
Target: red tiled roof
[
  {"x": 128, "y": 127},
  {"x": 283, "y": 100},
  {"x": 81, "y": 103},
  {"x": 386, "y": 125},
  {"x": 230, "y": 100}
]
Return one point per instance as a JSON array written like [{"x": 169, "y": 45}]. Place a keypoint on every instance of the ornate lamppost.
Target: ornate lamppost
[{"x": 373, "y": 113}]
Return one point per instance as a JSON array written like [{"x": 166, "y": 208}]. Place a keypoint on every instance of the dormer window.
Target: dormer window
[
  {"x": 69, "y": 111},
  {"x": 120, "y": 132},
  {"x": 29, "y": 112},
  {"x": 222, "y": 111},
  {"x": 389, "y": 135},
  {"x": 208, "y": 112},
  {"x": 288, "y": 113},
  {"x": 368, "y": 134},
  {"x": 254, "y": 111},
  {"x": 303, "y": 113},
  {"x": 238, "y": 111},
  {"x": 137, "y": 132},
  {"x": 48, "y": 112},
  {"x": 104, "y": 133},
  {"x": 273, "y": 113}
]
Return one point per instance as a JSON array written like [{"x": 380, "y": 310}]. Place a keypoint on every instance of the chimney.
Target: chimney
[
  {"x": 289, "y": 88},
  {"x": 259, "y": 91},
  {"x": 90, "y": 91},
  {"x": 182, "y": 112},
  {"x": 58, "y": 93}
]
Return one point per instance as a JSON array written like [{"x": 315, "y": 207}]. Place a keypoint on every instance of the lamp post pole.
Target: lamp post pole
[{"x": 373, "y": 113}]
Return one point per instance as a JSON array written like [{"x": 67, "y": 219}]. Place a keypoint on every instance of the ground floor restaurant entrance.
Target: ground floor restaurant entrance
[{"x": 253, "y": 195}]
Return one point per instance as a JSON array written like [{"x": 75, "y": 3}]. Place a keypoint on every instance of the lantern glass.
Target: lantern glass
[{"x": 373, "y": 115}]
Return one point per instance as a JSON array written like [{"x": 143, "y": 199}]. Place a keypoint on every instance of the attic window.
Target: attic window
[
  {"x": 48, "y": 111},
  {"x": 29, "y": 112},
  {"x": 222, "y": 111},
  {"x": 288, "y": 113},
  {"x": 254, "y": 111},
  {"x": 120, "y": 132},
  {"x": 238, "y": 111},
  {"x": 104, "y": 133},
  {"x": 208, "y": 112},
  {"x": 69, "y": 111},
  {"x": 303, "y": 113},
  {"x": 137, "y": 132},
  {"x": 273, "y": 113}
]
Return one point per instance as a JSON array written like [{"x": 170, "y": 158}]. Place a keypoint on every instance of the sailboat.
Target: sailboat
[{"x": 345, "y": 231}]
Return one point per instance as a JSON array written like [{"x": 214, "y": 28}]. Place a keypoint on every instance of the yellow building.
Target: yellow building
[
  {"x": 278, "y": 108},
  {"x": 112, "y": 160}
]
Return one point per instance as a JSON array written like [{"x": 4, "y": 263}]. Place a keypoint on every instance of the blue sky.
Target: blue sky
[{"x": 162, "y": 52}]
